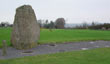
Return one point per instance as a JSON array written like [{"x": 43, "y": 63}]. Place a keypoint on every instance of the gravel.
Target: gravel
[{"x": 53, "y": 48}]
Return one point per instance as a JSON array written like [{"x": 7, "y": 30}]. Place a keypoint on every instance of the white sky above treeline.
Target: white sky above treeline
[{"x": 74, "y": 11}]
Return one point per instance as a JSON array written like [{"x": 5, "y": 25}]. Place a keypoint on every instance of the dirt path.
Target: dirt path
[{"x": 54, "y": 48}]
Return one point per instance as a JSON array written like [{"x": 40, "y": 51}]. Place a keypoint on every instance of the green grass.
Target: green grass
[
  {"x": 59, "y": 36},
  {"x": 5, "y": 34},
  {"x": 96, "y": 56}
]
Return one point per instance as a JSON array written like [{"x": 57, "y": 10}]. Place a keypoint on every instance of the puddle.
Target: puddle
[
  {"x": 84, "y": 48},
  {"x": 92, "y": 42}
]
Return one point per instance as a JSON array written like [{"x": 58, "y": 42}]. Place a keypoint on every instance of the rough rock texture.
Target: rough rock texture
[{"x": 26, "y": 30}]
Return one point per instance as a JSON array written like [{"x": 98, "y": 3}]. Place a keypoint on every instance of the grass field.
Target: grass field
[
  {"x": 59, "y": 36},
  {"x": 96, "y": 56}
]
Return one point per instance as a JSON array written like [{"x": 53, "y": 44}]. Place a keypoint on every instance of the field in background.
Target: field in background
[
  {"x": 61, "y": 35},
  {"x": 96, "y": 56}
]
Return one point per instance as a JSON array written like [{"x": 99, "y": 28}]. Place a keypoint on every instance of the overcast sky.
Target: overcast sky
[{"x": 74, "y": 11}]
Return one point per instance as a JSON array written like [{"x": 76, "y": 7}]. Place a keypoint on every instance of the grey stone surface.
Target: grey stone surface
[
  {"x": 48, "y": 49},
  {"x": 4, "y": 48},
  {"x": 26, "y": 30}
]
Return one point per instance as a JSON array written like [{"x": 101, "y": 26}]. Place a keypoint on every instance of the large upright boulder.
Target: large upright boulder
[{"x": 26, "y": 30}]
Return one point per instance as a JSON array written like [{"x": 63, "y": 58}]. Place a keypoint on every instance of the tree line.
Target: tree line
[
  {"x": 57, "y": 24},
  {"x": 94, "y": 25},
  {"x": 5, "y": 24}
]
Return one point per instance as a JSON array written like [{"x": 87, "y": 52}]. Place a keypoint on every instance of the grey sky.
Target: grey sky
[{"x": 74, "y": 11}]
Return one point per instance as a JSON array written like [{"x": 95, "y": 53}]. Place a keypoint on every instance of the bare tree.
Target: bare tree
[
  {"x": 85, "y": 25},
  {"x": 40, "y": 22},
  {"x": 52, "y": 24},
  {"x": 46, "y": 24}
]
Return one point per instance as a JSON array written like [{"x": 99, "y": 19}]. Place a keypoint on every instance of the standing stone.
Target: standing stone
[
  {"x": 4, "y": 48},
  {"x": 26, "y": 30}
]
